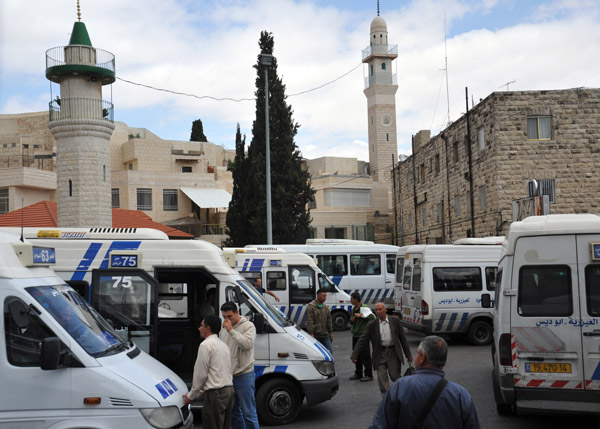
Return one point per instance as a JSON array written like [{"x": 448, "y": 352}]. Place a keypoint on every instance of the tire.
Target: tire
[
  {"x": 502, "y": 408},
  {"x": 278, "y": 402},
  {"x": 480, "y": 333},
  {"x": 339, "y": 320}
]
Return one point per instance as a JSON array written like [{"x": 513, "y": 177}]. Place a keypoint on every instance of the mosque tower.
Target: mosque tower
[
  {"x": 380, "y": 90},
  {"x": 82, "y": 124}
]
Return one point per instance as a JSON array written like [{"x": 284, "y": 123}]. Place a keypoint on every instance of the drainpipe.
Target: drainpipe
[
  {"x": 412, "y": 142},
  {"x": 470, "y": 165}
]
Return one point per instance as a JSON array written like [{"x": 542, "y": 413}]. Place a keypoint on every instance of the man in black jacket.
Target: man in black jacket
[{"x": 387, "y": 338}]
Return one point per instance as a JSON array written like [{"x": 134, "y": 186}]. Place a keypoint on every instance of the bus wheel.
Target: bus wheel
[
  {"x": 278, "y": 402},
  {"x": 480, "y": 333},
  {"x": 339, "y": 320}
]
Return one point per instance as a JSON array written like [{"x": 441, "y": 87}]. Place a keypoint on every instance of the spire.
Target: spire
[
  {"x": 377, "y": 6},
  {"x": 79, "y": 12},
  {"x": 79, "y": 35}
]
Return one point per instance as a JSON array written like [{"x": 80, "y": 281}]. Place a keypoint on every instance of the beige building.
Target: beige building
[{"x": 513, "y": 146}]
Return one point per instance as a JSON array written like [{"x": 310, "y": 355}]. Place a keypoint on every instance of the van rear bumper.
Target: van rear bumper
[
  {"x": 317, "y": 391},
  {"x": 558, "y": 400}
]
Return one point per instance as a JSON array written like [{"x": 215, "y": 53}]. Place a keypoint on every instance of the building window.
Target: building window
[
  {"x": 348, "y": 197},
  {"x": 408, "y": 178},
  {"x": 333, "y": 232},
  {"x": 144, "y": 199},
  {"x": 439, "y": 212},
  {"x": 70, "y": 188},
  {"x": 437, "y": 163},
  {"x": 312, "y": 204},
  {"x": 482, "y": 203},
  {"x": 539, "y": 128},
  {"x": 170, "y": 200},
  {"x": 457, "y": 205},
  {"x": 422, "y": 173},
  {"x": 4, "y": 200},
  {"x": 130, "y": 166},
  {"x": 424, "y": 216},
  {"x": 382, "y": 66},
  {"x": 387, "y": 137},
  {"x": 116, "y": 200},
  {"x": 455, "y": 151},
  {"x": 186, "y": 169},
  {"x": 481, "y": 138},
  {"x": 469, "y": 203},
  {"x": 372, "y": 72}
]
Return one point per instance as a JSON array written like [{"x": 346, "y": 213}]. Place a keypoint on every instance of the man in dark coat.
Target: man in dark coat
[{"x": 388, "y": 341}]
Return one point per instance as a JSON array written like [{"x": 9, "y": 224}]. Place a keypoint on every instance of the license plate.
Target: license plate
[{"x": 547, "y": 367}]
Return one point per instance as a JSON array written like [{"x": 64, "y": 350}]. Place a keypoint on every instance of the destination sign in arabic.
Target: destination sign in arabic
[
  {"x": 124, "y": 260},
  {"x": 595, "y": 249},
  {"x": 43, "y": 255}
]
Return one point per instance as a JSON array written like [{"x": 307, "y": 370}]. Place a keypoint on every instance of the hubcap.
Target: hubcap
[{"x": 280, "y": 403}]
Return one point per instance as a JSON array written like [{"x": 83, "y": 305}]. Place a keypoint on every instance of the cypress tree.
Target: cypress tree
[
  {"x": 198, "y": 132},
  {"x": 237, "y": 221}
]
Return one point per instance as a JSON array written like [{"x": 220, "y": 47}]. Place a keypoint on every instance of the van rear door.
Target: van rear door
[
  {"x": 411, "y": 291},
  {"x": 588, "y": 249},
  {"x": 545, "y": 315}
]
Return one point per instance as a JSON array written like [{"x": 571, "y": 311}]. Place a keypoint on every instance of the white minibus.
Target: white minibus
[
  {"x": 546, "y": 350},
  {"x": 155, "y": 291},
  {"x": 294, "y": 278},
  {"x": 62, "y": 365},
  {"x": 441, "y": 286},
  {"x": 354, "y": 266}
]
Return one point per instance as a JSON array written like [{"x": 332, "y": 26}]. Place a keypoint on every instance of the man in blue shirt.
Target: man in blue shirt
[{"x": 402, "y": 404}]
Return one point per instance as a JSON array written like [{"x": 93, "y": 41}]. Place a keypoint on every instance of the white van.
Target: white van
[
  {"x": 63, "y": 365},
  {"x": 155, "y": 291},
  {"x": 354, "y": 266},
  {"x": 294, "y": 278},
  {"x": 546, "y": 349},
  {"x": 441, "y": 287}
]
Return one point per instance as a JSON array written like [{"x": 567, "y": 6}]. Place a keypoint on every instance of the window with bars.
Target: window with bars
[
  {"x": 482, "y": 199},
  {"x": 457, "y": 205},
  {"x": 348, "y": 197},
  {"x": 144, "y": 199},
  {"x": 3, "y": 200},
  {"x": 170, "y": 200},
  {"x": 116, "y": 200}
]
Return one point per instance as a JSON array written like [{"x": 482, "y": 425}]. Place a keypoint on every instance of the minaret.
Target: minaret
[
  {"x": 82, "y": 124},
  {"x": 380, "y": 90}
]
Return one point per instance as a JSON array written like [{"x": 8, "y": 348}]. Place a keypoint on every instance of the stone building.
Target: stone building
[{"x": 510, "y": 146}]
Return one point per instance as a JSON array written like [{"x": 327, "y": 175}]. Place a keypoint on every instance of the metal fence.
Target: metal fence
[
  {"x": 81, "y": 108},
  {"x": 81, "y": 55}
]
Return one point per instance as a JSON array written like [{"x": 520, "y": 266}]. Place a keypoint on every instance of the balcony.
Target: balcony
[
  {"x": 390, "y": 51},
  {"x": 81, "y": 108},
  {"x": 381, "y": 78},
  {"x": 80, "y": 60}
]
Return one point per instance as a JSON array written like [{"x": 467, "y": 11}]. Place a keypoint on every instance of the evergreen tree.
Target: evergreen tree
[
  {"x": 290, "y": 183},
  {"x": 198, "y": 132},
  {"x": 237, "y": 220}
]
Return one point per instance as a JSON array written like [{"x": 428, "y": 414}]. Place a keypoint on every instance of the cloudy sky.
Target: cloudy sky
[{"x": 208, "y": 48}]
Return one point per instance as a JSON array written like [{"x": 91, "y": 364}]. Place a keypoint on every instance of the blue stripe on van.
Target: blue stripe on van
[
  {"x": 280, "y": 369},
  {"x": 84, "y": 264},
  {"x": 596, "y": 374},
  {"x": 258, "y": 370},
  {"x": 441, "y": 322},
  {"x": 367, "y": 299},
  {"x": 257, "y": 264},
  {"x": 463, "y": 320},
  {"x": 451, "y": 322},
  {"x": 336, "y": 279},
  {"x": 119, "y": 245},
  {"x": 323, "y": 351}
]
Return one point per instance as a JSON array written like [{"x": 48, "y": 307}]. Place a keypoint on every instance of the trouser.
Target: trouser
[
  {"x": 244, "y": 406},
  {"x": 216, "y": 411},
  {"x": 363, "y": 360},
  {"x": 326, "y": 341},
  {"x": 389, "y": 364}
]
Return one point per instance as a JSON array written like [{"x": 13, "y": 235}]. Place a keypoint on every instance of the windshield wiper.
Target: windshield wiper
[{"x": 118, "y": 346}]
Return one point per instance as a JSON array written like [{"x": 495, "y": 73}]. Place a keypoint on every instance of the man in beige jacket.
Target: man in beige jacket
[{"x": 239, "y": 335}]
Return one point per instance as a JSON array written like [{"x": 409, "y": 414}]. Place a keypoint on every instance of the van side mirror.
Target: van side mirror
[
  {"x": 50, "y": 356},
  {"x": 18, "y": 312},
  {"x": 486, "y": 300},
  {"x": 259, "y": 323}
]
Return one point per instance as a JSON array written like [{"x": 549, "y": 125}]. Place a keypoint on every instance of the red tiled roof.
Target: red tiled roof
[{"x": 43, "y": 214}]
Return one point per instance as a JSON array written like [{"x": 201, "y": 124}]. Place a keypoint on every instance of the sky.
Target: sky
[{"x": 208, "y": 49}]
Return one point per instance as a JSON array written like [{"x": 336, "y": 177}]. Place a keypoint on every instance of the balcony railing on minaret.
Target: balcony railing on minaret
[
  {"x": 73, "y": 59},
  {"x": 81, "y": 108},
  {"x": 380, "y": 50}
]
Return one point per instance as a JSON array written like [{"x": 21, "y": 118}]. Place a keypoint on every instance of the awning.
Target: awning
[{"x": 208, "y": 198}]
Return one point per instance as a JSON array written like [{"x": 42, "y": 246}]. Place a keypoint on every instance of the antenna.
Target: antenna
[
  {"x": 507, "y": 84},
  {"x": 446, "y": 69},
  {"x": 22, "y": 220}
]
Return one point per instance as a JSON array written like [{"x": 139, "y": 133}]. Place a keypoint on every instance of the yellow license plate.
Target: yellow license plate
[
  {"x": 407, "y": 311},
  {"x": 547, "y": 367}
]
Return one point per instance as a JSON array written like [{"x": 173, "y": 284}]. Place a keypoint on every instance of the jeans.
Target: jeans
[
  {"x": 244, "y": 415},
  {"x": 326, "y": 341}
]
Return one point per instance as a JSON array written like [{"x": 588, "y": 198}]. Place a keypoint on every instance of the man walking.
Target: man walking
[
  {"x": 361, "y": 316},
  {"x": 212, "y": 377},
  {"x": 318, "y": 320},
  {"x": 387, "y": 338},
  {"x": 404, "y": 404},
  {"x": 239, "y": 335}
]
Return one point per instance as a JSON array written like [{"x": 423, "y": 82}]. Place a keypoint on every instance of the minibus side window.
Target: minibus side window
[
  {"x": 390, "y": 260},
  {"x": 407, "y": 277},
  {"x": 416, "y": 279},
  {"x": 545, "y": 290},
  {"x": 276, "y": 280},
  {"x": 592, "y": 289},
  {"x": 24, "y": 345},
  {"x": 399, "y": 267},
  {"x": 457, "y": 279},
  {"x": 490, "y": 277},
  {"x": 302, "y": 284},
  {"x": 365, "y": 265},
  {"x": 333, "y": 265}
]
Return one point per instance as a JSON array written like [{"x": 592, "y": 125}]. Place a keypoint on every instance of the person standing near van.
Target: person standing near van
[
  {"x": 262, "y": 291},
  {"x": 358, "y": 323},
  {"x": 318, "y": 320},
  {"x": 212, "y": 377},
  {"x": 239, "y": 335},
  {"x": 388, "y": 340},
  {"x": 404, "y": 404}
]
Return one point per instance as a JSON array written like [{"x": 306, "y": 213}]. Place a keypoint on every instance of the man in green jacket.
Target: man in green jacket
[
  {"x": 359, "y": 321},
  {"x": 318, "y": 320}
]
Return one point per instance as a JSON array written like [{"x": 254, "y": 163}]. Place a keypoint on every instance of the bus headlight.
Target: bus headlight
[
  {"x": 325, "y": 368},
  {"x": 162, "y": 417}
]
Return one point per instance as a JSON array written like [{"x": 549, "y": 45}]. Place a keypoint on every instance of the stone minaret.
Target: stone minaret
[
  {"x": 380, "y": 90},
  {"x": 82, "y": 124}
]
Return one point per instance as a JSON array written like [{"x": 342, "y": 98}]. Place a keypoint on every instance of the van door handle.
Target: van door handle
[{"x": 592, "y": 334}]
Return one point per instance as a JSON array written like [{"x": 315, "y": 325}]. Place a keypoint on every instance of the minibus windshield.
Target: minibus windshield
[
  {"x": 271, "y": 311},
  {"x": 81, "y": 321}
]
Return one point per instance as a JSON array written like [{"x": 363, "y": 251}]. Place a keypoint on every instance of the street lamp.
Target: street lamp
[{"x": 266, "y": 60}]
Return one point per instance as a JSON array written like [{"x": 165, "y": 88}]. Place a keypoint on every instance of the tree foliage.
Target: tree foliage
[
  {"x": 198, "y": 132},
  {"x": 290, "y": 182}
]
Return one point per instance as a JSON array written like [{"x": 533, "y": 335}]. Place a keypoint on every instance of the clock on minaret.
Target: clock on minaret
[{"x": 386, "y": 120}]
